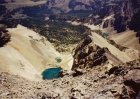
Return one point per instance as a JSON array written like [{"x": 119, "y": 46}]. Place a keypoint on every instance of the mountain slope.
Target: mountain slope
[
  {"x": 127, "y": 38},
  {"x": 29, "y": 54}
]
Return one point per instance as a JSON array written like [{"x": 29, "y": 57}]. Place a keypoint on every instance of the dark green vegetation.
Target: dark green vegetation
[
  {"x": 9, "y": 23},
  {"x": 79, "y": 13},
  {"x": 4, "y": 37},
  {"x": 51, "y": 73},
  {"x": 57, "y": 32}
]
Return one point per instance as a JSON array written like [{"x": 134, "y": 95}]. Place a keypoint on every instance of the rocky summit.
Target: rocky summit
[{"x": 69, "y": 49}]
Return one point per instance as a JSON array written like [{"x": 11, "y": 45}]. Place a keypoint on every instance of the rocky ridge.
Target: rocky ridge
[{"x": 87, "y": 55}]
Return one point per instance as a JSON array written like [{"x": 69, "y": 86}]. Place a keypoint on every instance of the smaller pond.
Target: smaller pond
[
  {"x": 105, "y": 34},
  {"x": 58, "y": 59},
  {"x": 51, "y": 73}
]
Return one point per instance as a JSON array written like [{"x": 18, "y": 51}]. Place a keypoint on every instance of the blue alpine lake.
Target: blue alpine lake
[{"x": 51, "y": 73}]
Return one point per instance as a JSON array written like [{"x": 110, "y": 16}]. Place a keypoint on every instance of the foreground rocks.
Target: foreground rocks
[{"x": 121, "y": 83}]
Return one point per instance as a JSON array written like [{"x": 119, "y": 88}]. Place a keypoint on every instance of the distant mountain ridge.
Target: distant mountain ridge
[
  {"x": 120, "y": 17},
  {"x": 55, "y": 6},
  {"x": 65, "y": 6},
  {"x": 12, "y": 1}
]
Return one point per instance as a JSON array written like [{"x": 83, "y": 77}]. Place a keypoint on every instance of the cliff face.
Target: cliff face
[
  {"x": 87, "y": 55},
  {"x": 124, "y": 17},
  {"x": 120, "y": 17}
]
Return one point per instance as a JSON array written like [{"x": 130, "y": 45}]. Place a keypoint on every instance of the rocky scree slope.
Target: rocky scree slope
[{"x": 120, "y": 82}]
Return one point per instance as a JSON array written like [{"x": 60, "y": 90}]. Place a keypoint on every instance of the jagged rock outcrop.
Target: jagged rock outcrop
[
  {"x": 133, "y": 80},
  {"x": 88, "y": 55},
  {"x": 4, "y": 37}
]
